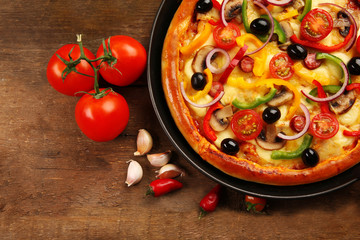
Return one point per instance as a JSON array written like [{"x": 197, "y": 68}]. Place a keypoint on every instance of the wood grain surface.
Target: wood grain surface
[{"x": 55, "y": 183}]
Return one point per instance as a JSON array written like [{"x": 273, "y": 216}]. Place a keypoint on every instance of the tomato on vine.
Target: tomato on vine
[
  {"x": 68, "y": 75},
  {"x": 127, "y": 62},
  {"x": 256, "y": 204},
  {"x": 102, "y": 116}
]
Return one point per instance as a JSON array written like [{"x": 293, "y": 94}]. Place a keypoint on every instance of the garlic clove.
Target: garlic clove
[
  {"x": 134, "y": 173},
  {"x": 159, "y": 159},
  {"x": 144, "y": 143},
  {"x": 170, "y": 171}
]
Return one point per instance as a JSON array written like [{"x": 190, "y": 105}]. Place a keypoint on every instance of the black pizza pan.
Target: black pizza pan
[{"x": 162, "y": 21}]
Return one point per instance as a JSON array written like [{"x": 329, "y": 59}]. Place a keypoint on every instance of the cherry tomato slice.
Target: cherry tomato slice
[
  {"x": 324, "y": 125},
  {"x": 281, "y": 66},
  {"x": 316, "y": 25},
  {"x": 246, "y": 124},
  {"x": 225, "y": 37}
]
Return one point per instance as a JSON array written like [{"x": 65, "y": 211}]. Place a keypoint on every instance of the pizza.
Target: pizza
[{"x": 267, "y": 91}]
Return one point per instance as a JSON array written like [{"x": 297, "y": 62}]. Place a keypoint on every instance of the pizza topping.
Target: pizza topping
[
  {"x": 232, "y": 10},
  {"x": 351, "y": 133},
  {"x": 198, "y": 81},
  {"x": 219, "y": 119},
  {"x": 324, "y": 106},
  {"x": 271, "y": 115},
  {"x": 297, "y": 123},
  {"x": 197, "y": 42},
  {"x": 212, "y": 55},
  {"x": 215, "y": 100},
  {"x": 260, "y": 26},
  {"x": 216, "y": 88},
  {"x": 352, "y": 34},
  {"x": 203, "y": 6},
  {"x": 224, "y": 36},
  {"x": 209, "y": 132},
  {"x": 305, "y": 128},
  {"x": 281, "y": 66},
  {"x": 293, "y": 154},
  {"x": 354, "y": 66},
  {"x": 336, "y": 95},
  {"x": 343, "y": 103},
  {"x": 278, "y": 35},
  {"x": 247, "y": 64},
  {"x": 316, "y": 25},
  {"x": 343, "y": 23},
  {"x": 258, "y": 101},
  {"x": 279, "y": 2},
  {"x": 297, "y": 51},
  {"x": 306, "y": 9},
  {"x": 230, "y": 146},
  {"x": 324, "y": 125},
  {"x": 234, "y": 62},
  {"x": 246, "y": 124},
  {"x": 199, "y": 62},
  {"x": 268, "y": 140},
  {"x": 310, "y": 157},
  {"x": 311, "y": 62},
  {"x": 282, "y": 96}
]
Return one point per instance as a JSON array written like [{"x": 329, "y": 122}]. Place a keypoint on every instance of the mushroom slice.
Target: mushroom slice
[
  {"x": 233, "y": 10},
  {"x": 285, "y": 25},
  {"x": 343, "y": 103},
  {"x": 268, "y": 140},
  {"x": 199, "y": 63},
  {"x": 219, "y": 119},
  {"x": 282, "y": 96}
]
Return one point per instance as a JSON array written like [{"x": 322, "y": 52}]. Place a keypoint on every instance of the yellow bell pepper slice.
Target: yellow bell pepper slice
[
  {"x": 259, "y": 57},
  {"x": 206, "y": 89},
  {"x": 308, "y": 75},
  {"x": 287, "y": 15},
  {"x": 197, "y": 42},
  {"x": 241, "y": 83}
]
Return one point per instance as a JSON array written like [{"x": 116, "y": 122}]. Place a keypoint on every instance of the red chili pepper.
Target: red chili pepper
[
  {"x": 209, "y": 132},
  {"x": 324, "y": 106},
  {"x": 323, "y": 47},
  {"x": 216, "y": 4},
  {"x": 210, "y": 201},
  {"x": 353, "y": 86},
  {"x": 234, "y": 62},
  {"x": 160, "y": 187},
  {"x": 351, "y": 133}
]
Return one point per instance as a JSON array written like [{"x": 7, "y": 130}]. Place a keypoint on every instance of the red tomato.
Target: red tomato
[
  {"x": 316, "y": 25},
  {"x": 74, "y": 82},
  {"x": 246, "y": 124},
  {"x": 256, "y": 204},
  {"x": 324, "y": 125},
  {"x": 102, "y": 119},
  {"x": 358, "y": 44},
  {"x": 281, "y": 66},
  {"x": 297, "y": 123},
  {"x": 130, "y": 60},
  {"x": 225, "y": 37}
]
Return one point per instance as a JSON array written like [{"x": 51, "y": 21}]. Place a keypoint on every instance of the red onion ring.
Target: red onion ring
[
  {"x": 221, "y": 94},
  {"x": 222, "y": 12},
  {"x": 352, "y": 20},
  {"x": 336, "y": 95},
  {"x": 306, "y": 127},
  {"x": 278, "y": 2},
  {"x": 271, "y": 30},
  {"x": 211, "y": 67}
]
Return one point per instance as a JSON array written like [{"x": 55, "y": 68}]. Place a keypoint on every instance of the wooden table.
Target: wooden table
[{"x": 55, "y": 183}]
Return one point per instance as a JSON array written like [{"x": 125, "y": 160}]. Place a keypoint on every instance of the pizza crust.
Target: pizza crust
[{"x": 236, "y": 167}]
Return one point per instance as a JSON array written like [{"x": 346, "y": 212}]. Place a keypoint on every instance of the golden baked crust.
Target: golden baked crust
[{"x": 232, "y": 165}]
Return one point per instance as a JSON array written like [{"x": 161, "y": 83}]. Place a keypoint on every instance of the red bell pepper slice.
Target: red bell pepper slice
[
  {"x": 353, "y": 86},
  {"x": 324, "y": 106},
  {"x": 234, "y": 62},
  {"x": 351, "y": 133},
  {"x": 209, "y": 132},
  {"x": 216, "y": 4},
  {"x": 323, "y": 47},
  {"x": 214, "y": 23}
]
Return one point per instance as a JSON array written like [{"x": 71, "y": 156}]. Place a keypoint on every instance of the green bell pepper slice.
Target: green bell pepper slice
[
  {"x": 332, "y": 89},
  {"x": 334, "y": 59},
  {"x": 294, "y": 154},
  {"x": 245, "y": 17},
  {"x": 256, "y": 102},
  {"x": 277, "y": 30},
  {"x": 307, "y": 8}
]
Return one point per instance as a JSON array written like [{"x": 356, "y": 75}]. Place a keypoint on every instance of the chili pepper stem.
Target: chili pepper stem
[{"x": 203, "y": 213}]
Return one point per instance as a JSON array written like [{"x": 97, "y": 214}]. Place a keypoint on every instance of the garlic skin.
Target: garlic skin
[
  {"x": 144, "y": 143},
  {"x": 159, "y": 159},
  {"x": 134, "y": 173},
  {"x": 170, "y": 171}
]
